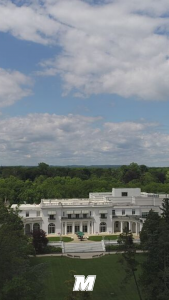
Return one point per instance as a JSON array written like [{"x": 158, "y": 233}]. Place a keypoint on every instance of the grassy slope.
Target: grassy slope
[{"x": 109, "y": 273}]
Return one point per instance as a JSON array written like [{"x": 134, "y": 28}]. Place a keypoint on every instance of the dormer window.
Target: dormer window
[{"x": 124, "y": 194}]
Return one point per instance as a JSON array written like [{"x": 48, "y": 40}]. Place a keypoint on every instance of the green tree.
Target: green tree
[
  {"x": 165, "y": 210},
  {"x": 18, "y": 280},
  {"x": 39, "y": 240},
  {"x": 150, "y": 230},
  {"x": 126, "y": 244},
  {"x": 155, "y": 269}
]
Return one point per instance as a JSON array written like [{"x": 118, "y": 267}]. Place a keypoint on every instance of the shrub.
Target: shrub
[{"x": 51, "y": 249}]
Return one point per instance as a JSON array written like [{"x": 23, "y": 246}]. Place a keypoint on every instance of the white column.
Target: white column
[
  {"x": 141, "y": 226},
  {"x": 130, "y": 225},
  {"x": 113, "y": 227},
  {"x": 136, "y": 228},
  {"x": 121, "y": 230},
  {"x": 89, "y": 227},
  {"x": 73, "y": 227},
  {"x": 65, "y": 227},
  {"x": 61, "y": 229},
  {"x": 80, "y": 226}
]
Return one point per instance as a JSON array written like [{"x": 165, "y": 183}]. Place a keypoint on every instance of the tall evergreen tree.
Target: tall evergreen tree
[
  {"x": 126, "y": 244},
  {"x": 155, "y": 269}
]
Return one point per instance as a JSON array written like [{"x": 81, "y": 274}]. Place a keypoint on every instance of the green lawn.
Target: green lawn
[
  {"x": 98, "y": 238},
  {"x": 57, "y": 238},
  {"x": 109, "y": 271}
]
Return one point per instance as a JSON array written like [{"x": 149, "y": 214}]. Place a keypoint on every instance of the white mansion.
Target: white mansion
[{"x": 101, "y": 212}]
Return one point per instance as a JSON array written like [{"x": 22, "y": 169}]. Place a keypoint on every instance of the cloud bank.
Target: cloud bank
[
  {"x": 62, "y": 140},
  {"x": 113, "y": 47}
]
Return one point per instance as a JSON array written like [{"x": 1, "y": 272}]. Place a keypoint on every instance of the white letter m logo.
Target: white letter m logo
[{"x": 84, "y": 285}]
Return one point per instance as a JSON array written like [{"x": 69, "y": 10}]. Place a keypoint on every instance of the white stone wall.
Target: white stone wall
[{"x": 135, "y": 192}]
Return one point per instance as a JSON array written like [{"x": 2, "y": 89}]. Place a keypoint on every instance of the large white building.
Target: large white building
[{"x": 101, "y": 212}]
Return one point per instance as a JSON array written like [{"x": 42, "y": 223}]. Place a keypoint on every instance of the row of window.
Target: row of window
[
  {"x": 123, "y": 212},
  {"x": 37, "y": 213},
  {"x": 77, "y": 216},
  {"x": 103, "y": 216},
  {"x": 51, "y": 228}
]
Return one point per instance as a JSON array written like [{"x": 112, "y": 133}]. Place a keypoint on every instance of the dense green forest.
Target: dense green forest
[{"x": 31, "y": 184}]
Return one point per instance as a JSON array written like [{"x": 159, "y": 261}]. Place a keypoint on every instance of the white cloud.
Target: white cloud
[
  {"x": 116, "y": 47},
  {"x": 27, "y": 23},
  {"x": 13, "y": 87},
  {"x": 75, "y": 139}
]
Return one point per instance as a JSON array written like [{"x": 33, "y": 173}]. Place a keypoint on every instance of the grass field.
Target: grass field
[
  {"x": 98, "y": 238},
  {"x": 108, "y": 283},
  {"x": 57, "y": 239}
]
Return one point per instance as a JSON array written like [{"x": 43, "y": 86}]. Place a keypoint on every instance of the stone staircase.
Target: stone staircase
[{"x": 84, "y": 247}]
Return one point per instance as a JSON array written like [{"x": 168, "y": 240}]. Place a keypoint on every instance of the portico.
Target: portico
[
  {"x": 120, "y": 226},
  {"x": 71, "y": 227}
]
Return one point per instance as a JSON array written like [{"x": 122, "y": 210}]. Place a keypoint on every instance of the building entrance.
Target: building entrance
[
  {"x": 77, "y": 228},
  {"x": 69, "y": 228}
]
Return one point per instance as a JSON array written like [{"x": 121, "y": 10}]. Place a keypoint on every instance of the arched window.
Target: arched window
[
  {"x": 103, "y": 227},
  {"x": 36, "y": 226},
  {"x": 51, "y": 228}
]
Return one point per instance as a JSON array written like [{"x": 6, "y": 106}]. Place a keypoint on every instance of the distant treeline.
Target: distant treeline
[{"x": 31, "y": 184}]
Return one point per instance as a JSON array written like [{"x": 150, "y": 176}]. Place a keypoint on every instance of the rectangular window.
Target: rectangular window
[
  {"x": 69, "y": 216},
  {"x": 84, "y": 216},
  {"x": 77, "y": 228},
  {"x": 144, "y": 214},
  {"x": 84, "y": 228},
  {"x": 123, "y": 211},
  {"x": 90, "y": 213},
  {"x": 77, "y": 216},
  {"x": 113, "y": 212},
  {"x": 63, "y": 213},
  {"x": 124, "y": 194},
  {"x": 51, "y": 217},
  {"x": 69, "y": 228},
  {"x": 27, "y": 213},
  {"x": 103, "y": 216},
  {"x": 38, "y": 213},
  {"x": 133, "y": 212}
]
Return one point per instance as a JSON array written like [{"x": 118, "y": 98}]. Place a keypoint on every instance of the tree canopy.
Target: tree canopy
[
  {"x": 155, "y": 269},
  {"x": 18, "y": 280},
  {"x": 31, "y": 184}
]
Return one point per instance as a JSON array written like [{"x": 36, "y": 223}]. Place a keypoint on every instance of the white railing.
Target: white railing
[{"x": 75, "y": 203}]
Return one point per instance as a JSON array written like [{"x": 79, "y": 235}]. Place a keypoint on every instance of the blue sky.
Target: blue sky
[{"x": 84, "y": 82}]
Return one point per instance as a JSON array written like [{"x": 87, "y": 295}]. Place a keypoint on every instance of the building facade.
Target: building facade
[{"x": 100, "y": 213}]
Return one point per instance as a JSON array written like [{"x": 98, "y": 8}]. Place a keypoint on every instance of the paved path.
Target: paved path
[{"x": 84, "y": 255}]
